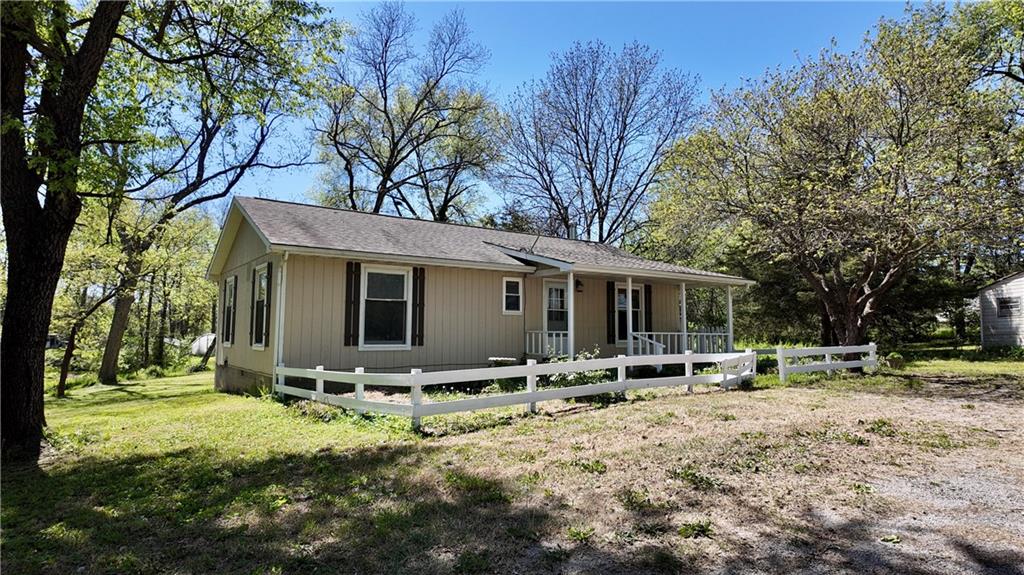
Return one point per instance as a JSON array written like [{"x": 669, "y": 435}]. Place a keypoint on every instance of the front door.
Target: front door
[
  {"x": 620, "y": 313},
  {"x": 556, "y": 317}
]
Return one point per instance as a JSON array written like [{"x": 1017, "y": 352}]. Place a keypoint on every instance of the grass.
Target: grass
[
  {"x": 696, "y": 529},
  {"x": 166, "y": 475}
]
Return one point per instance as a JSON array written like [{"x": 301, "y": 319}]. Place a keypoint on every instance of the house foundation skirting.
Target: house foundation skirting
[{"x": 236, "y": 380}]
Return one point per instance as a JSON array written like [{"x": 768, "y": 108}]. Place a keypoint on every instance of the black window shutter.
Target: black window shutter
[
  {"x": 224, "y": 312},
  {"x": 252, "y": 307},
  {"x": 234, "y": 311},
  {"x": 610, "y": 328},
  {"x": 353, "y": 276},
  {"x": 266, "y": 304},
  {"x": 648, "y": 309},
  {"x": 418, "y": 277}
]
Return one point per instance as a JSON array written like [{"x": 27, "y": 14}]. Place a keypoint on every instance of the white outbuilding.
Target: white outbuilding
[{"x": 1002, "y": 312}]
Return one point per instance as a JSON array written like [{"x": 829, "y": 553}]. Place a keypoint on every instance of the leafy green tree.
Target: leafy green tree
[
  {"x": 855, "y": 167},
  {"x": 53, "y": 57}
]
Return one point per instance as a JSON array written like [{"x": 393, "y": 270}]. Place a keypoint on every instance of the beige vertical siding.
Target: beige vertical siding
[
  {"x": 1000, "y": 331},
  {"x": 247, "y": 252},
  {"x": 463, "y": 320}
]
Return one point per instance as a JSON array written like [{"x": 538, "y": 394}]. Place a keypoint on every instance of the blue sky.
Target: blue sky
[{"x": 721, "y": 42}]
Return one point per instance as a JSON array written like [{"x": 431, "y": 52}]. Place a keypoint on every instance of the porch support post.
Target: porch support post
[
  {"x": 629, "y": 315},
  {"x": 682, "y": 318},
  {"x": 728, "y": 310},
  {"x": 570, "y": 297}
]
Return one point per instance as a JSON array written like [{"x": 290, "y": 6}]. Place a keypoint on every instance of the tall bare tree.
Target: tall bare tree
[
  {"x": 389, "y": 110},
  {"x": 587, "y": 142}
]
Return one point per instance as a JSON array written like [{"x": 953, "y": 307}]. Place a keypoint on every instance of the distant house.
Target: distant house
[
  {"x": 389, "y": 294},
  {"x": 1002, "y": 313}
]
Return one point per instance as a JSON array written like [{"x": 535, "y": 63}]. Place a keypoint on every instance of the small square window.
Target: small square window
[
  {"x": 1007, "y": 306},
  {"x": 512, "y": 296}
]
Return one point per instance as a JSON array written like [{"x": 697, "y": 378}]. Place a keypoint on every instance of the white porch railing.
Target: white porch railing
[
  {"x": 733, "y": 369},
  {"x": 713, "y": 340},
  {"x": 547, "y": 343}
]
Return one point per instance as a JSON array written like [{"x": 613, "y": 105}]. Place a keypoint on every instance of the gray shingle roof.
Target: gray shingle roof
[{"x": 303, "y": 225}]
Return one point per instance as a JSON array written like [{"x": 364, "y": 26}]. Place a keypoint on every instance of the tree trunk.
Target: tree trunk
[
  {"x": 38, "y": 233},
  {"x": 119, "y": 324},
  {"x": 146, "y": 332},
  {"x": 208, "y": 353},
  {"x": 161, "y": 358},
  {"x": 65, "y": 362},
  {"x": 827, "y": 334},
  {"x": 36, "y": 243}
]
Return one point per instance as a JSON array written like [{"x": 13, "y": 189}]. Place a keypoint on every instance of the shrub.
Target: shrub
[
  {"x": 895, "y": 361},
  {"x": 585, "y": 378}
]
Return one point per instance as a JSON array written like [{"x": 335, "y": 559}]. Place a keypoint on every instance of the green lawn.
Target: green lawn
[{"x": 167, "y": 475}]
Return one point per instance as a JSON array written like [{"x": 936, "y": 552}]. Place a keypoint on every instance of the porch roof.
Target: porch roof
[{"x": 288, "y": 226}]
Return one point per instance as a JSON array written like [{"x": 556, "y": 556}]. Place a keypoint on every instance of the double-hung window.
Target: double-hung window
[
  {"x": 1007, "y": 306},
  {"x": 260, "y": 307},
  {"x": 386, "y": 311},
  {"x": 512, "y": 296},
  {"x": 228, "y": 327}
]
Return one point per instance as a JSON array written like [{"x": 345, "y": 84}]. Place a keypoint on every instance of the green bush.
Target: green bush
[
  {"x": 585, "y": 378},
  {"x": 895, "y": 361}
]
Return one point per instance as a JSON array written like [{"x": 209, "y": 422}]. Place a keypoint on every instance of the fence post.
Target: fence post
[
  {"x": 621, "y": 374},
  {"x": 416, "y": 396},
  {"x": 753, "y": 365},
  {"x": 781, "y": 359},
  {"x": 828, "y": 363},
  {"x": 319, "y": 385},
  {"x": 531, "y": 386},
  {"x": 873, "y": 356},
  {"x": 689, "y": 370},
  {"x": 360, "y": 392}
]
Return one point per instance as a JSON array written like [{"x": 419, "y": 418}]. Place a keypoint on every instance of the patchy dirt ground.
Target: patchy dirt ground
[
  {"x": 896, "y": 473},
  {"x": 923, "y": 479}
]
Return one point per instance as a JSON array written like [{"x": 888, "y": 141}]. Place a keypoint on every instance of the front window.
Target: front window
[
  {"x": 1007, "y": 306},
  {"x": 620, "y": 312},
  {"x": 386, "y": 309},
  {"x": 512, "y": 296},
  {"x": 228, "y": 329},
  {"x": 260, "y": 308}
]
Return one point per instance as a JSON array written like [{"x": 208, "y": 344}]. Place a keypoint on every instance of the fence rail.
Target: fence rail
[
  {"x": 783, "y": 356},
  {"x": 733, "y": 369}
]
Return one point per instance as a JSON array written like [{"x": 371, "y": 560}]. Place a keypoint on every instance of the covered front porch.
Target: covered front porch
[{"x": 568, "y": 312}]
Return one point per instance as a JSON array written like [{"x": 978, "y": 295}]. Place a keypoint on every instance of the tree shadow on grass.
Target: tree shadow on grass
[
  {"x": 359, "y": 511},
  {"x": 819, "y": 541}
]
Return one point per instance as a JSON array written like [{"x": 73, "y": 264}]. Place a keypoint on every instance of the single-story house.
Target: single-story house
[
  {"x": 304, "y": 286},
  {"x": 1002, "y": 315}
]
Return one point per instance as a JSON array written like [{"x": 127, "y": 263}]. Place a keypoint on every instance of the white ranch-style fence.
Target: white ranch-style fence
[
  {"x": 734, "y": 368},
  {"x": 827, "y": 354}
]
